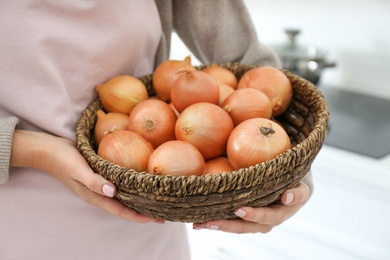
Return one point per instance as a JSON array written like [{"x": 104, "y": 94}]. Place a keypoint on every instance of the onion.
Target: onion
[
  {"x": 154, "y": 120},
  {"x": 165, "y": 75},
  {"x": 206, "y": 126},
  {"x": 218, "y": 165},
  {"x": 176, "y": 158},
  {"x": 193, "y": 86},
  {"x": 222, "y": 75},
  {"x": 255, "y": 141},
  {"x": 273, "y": 82},
  {"x": 224, "y": 92},
  {"x": 120, "y": 94},
  {"x": 247, "y": 103},
  {"x": 127, "y": 149},
  {"x": 108, "y": 122}
]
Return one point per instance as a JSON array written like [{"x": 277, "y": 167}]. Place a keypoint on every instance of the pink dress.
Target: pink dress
[{"x": 56, "y": 52}]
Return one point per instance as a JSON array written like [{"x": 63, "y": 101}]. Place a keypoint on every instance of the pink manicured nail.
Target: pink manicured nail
[
  {"x": 289, "y": 198},
  {"x": 213, "y": 227},
  {"x": 108, "y": 190},
  {"x": 240, "y": 213}
]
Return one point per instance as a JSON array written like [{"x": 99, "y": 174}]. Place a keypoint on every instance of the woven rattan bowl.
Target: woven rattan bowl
[{"x": 216, "y": 196}]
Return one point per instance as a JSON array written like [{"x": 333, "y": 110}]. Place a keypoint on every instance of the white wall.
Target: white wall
[{"x": 355, "y": 34}]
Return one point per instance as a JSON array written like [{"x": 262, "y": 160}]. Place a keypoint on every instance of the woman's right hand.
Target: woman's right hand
[{"x": 60, "y": 158}]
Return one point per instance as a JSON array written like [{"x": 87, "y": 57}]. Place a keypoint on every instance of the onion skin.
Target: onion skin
[
  {"x": 255, "y": 141},
  {"x": 247, "y": 103},
  {"x": 127, "y": 149},
  {"x": 166, "y": 74},
  {"x": 174, "y": 109},
  {"x": 272, "y": 82},
  {"x": 193, "y": 87},
  {"x": 206, "y": 126},
  {"x": 222, "y": 75},
  {"x": 218, "y": 165},
  {"x": 154, "y": 120},
  {"x": 224, "y": 92},
  {"x": 176, "y": 158},
  {"x": 120, "y": 94},
  {"x": 108, "y": 122}
]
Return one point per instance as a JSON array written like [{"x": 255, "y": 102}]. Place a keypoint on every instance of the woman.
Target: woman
[{"x": 53, "y": 55}]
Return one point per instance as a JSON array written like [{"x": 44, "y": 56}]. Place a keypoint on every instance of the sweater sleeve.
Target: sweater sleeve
[
  {"x": 7, "y": 128},
  {"x": 220, "y": 31}
]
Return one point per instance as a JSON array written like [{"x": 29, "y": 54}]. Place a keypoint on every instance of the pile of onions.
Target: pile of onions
[
  {"x": 200, "y": 122},
  {"x": 120, "y": 94},
  {"x": 255, "y": 141},
  {"x": 272, "y": 82}
]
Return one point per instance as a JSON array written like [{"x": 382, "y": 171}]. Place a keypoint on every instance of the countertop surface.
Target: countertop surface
[{"x": 358, "y": 123}]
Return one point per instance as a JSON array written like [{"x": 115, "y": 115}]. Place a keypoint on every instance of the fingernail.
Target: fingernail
[
  {"x": 213, "y": 227},
  {"x": 108, "y": 190},
  {"x": 240, "y": 213},
  {"x": 159, "y": 221},
  {"x": 289, "y": 198}
]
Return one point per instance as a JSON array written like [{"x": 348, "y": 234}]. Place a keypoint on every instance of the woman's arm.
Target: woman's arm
[
  {"x": 7, "y": 128},
  {"x": 215, "y": 31},
  {"x": 59, "y": 157}
]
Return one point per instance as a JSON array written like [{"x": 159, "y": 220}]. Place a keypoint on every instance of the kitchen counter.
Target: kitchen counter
[
  {"x": 346, "y": 217},
  {"x": 359, "y": 123}
]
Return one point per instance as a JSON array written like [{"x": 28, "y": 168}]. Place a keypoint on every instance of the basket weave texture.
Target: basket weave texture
[{"x": 216, "y": 196}]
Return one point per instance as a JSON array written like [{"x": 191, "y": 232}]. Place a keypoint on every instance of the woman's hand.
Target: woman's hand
[
  {"x": 60, "y": 158},
  {"x": 254, "y": 220}
]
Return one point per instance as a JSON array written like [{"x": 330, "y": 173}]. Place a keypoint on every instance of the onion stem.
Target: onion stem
[{"x": 267, "y": 131}]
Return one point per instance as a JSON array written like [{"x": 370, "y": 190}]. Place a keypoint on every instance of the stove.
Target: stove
[{"x": 358, "y": 123}]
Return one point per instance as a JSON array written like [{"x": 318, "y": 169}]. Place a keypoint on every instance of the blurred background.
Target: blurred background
[{"x": 346, "y": 43}]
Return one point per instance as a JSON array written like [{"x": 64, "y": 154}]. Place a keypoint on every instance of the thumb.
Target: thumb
[{"x": 297, "y": 195}]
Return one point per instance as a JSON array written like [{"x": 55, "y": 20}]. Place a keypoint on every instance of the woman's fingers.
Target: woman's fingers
[
  {"x": 253, "y": 220},
  {"x": 97, "y": 191},
  {"x": 60, "y": 158},
  {"x": 297, "y": 195},
  {"x": 116, "y": 208},
  {"x": 233, "y": 226}
]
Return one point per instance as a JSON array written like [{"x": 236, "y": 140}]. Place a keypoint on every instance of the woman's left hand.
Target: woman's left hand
[{"x": 254, "y": 220}]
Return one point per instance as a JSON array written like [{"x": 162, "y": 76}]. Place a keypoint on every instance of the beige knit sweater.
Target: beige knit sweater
[{"x": 214, "y": 31}]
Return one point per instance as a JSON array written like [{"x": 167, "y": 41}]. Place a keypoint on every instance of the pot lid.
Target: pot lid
[{"x": 292, "y": 49}]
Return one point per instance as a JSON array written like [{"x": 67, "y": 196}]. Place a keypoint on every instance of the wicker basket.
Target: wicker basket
[{"x": 216, "y": 196}]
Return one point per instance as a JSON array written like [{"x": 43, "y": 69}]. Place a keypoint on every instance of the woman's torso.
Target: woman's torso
[{"x": 53, "y": 54}]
